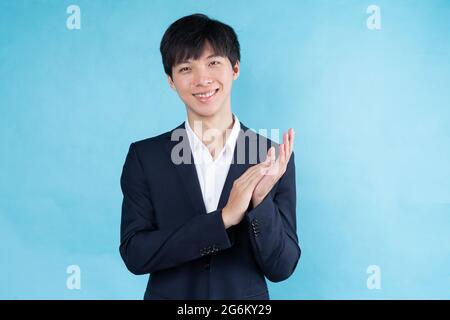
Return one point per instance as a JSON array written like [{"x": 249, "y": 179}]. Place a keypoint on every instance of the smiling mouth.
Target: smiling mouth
[{"x": 205, "y": 95}]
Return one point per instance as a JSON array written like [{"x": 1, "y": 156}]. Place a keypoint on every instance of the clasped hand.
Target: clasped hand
[{"x": 256, "y": 183}]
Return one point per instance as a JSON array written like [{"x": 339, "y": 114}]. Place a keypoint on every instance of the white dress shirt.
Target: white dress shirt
[{"x": 212, "y": 173}]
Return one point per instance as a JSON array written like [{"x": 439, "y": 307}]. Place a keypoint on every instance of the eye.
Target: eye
[
  {"x": 214, "y": 63},
  {"x": 184, "y": 69}
]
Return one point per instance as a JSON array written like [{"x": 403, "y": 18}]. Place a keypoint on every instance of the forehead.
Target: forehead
[
  {"x": 207, "y": 53},
  {"x": 207, "y": 50}
]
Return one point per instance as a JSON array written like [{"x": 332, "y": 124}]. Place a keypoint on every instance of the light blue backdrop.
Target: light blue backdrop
[{"x": 370, "y": 109}]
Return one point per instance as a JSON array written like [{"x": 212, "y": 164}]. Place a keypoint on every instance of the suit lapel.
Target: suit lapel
[
  {"x": 188, "y": 173},
  {"x": 236, "y": 169}
]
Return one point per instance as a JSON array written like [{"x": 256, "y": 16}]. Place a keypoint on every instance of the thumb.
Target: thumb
[{"x": 270, "y": 154}]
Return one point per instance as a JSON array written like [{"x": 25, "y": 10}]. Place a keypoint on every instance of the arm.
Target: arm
[
  {"x": 272, "y": 229},
  {"x": 144, "y": 247}
]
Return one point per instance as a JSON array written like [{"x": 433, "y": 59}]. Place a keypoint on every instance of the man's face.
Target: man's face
[{"x": 205, "y": 84}]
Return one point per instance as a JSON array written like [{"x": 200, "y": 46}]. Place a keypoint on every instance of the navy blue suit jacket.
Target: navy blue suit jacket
[{"x": 166, "y": 232}]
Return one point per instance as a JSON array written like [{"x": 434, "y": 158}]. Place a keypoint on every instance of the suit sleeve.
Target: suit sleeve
[
  {"x": 272, "y": 229},
  {"x": 144, "y": 247}
]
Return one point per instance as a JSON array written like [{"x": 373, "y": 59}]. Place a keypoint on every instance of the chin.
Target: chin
[{"x": 206, "y": 110}]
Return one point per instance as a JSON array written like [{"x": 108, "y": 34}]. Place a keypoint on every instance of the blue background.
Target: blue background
[{"x": 370, "y": 109}]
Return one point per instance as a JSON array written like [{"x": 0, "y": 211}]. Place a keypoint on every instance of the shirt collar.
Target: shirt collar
[
  {"x": 234, "y": 133},
  {"x": 195, "y": 143}
]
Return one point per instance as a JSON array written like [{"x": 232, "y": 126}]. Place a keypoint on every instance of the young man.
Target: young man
[{"x": 212, "y": 216}]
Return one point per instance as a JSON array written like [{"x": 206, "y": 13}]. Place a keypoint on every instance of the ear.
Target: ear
[
  {"x": 236, "y": 70},
  {"x": 171, "y": 84}
]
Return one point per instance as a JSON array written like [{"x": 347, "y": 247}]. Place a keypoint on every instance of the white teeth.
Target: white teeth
[{"x": 205, "y": 95}]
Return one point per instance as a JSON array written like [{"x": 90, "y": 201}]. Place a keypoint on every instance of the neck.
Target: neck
[{"x": 210, "y": 128}]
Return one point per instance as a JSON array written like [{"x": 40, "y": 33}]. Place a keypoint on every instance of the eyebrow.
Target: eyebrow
[{"x": 208, "y": 57}]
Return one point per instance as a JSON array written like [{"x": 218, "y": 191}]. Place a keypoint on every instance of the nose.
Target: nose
[{"x": 202, "y": 78}]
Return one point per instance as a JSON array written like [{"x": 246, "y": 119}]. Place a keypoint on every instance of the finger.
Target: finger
[
  {"x": 287, "y": 144},
  {"x": 291, "y": 143},
  {"x": 273, "y": 171},
  {"x": 270, "y": 158},
  {"x": 247, "y": 173},
  {"x": 253, "y": 178},
  {"x": 253, "y": 168},
  {"x": 280, "y": 161},
  {"x": 271, "y": 155},
  {"x": 291, "y": 140},
  {"x": 282, "y": 156},
  {"x": 268, "y": 155}
]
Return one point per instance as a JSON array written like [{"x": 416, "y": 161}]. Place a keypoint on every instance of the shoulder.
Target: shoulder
[{"x": 152, "y": 150}]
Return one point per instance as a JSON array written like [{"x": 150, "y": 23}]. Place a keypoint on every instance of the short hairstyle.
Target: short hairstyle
[{"x": 186, "y": 38}]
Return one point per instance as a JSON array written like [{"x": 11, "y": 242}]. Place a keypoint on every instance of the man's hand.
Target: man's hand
[
  {"x": 241, "y": 193},
  {"x": 277, "y": 168}
]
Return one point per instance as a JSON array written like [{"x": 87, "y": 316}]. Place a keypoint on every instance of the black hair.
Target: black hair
[{"x": 185, "y": 39}]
